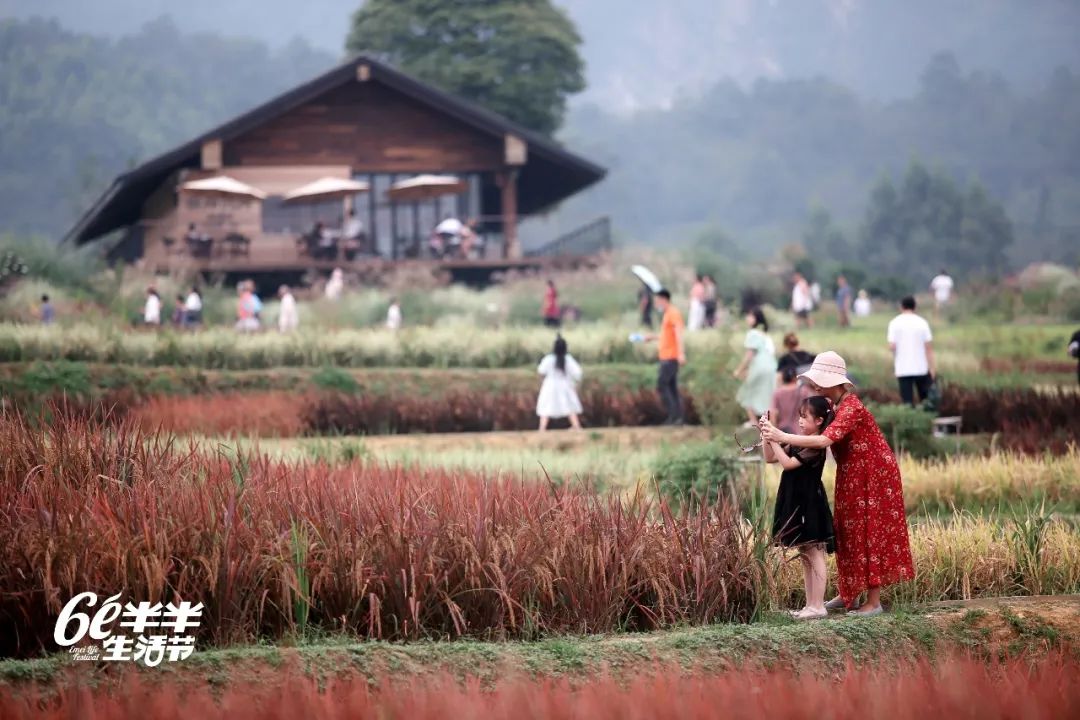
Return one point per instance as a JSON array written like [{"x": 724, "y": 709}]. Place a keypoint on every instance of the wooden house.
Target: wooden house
[{"x": 364, "y": 121}]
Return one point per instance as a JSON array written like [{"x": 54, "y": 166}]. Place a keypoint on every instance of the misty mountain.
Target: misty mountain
[
  {"x": 753, "y": 163},
  {"x": 76, "y": 110},
  {"x": 648, "y": 54},
  {"x": 740, "y": 156}
]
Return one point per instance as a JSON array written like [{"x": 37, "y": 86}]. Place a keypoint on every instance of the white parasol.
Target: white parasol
[
  {"x": 646, "y": 276},
  {"x": 223, "y": 185},
  {"x": 426, "y": 187},
  {"x": 327, "y": 188}
]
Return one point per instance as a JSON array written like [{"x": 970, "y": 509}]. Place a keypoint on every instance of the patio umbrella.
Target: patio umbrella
[
  {"x": 327, "y": 188},
  {"x": 646, "y": 276},
  {"x": 223, "y": 185},
  {"x": 426, "y": 187}
]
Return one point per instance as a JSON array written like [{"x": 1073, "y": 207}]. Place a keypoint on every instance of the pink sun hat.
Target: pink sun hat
[{"x": 828, "y": 370}]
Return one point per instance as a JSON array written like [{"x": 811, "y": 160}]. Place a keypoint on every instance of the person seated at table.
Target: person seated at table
[
  {"x": 436, "y": 245},
  {"x": 192, "y": 235},
  {"x": 198, "y": 243},
  {"x": 354, "y": 227},
  {"x": 472, "y": 244},
  {"x": 328, "y": 242},
  {"x": 321, "y": 243},
  {"x": 449, "y": 231},
  {"x": 353, "y": 236}
]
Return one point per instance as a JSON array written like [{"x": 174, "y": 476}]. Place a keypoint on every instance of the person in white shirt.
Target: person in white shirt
[
  {"x": 448, "y": 233},
  {"x": 802, "y": 302},
  {"x": 152, "y": 308},
  {"x": 913, "y": 354},
  {"x": 288, "y": 317},
  {"x": 353, "y": 236},
  {"x": 393, "y": 315},
  {"x": 863, "y": 307},
  {"x": 449, "y": 228},
  {"x": 193, "y": 308},
  {"x": 558, "y": 396},
  {"x": 942, "y": 287},
  {"x": 354, "y": 227}
]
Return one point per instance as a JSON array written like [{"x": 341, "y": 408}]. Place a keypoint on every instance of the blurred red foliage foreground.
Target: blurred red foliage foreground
[{"x": 950, "y": 688}]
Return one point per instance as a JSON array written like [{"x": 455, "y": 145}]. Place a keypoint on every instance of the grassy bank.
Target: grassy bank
[
  {"x": 961, "y": 350},
  {"x": 995, "y": 629}
]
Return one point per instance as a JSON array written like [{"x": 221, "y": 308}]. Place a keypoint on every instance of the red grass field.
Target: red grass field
[
  {"x": 271, "y": 548},
  {"x": 953, "y": 688},
  {"x": 282, "y": 414}
]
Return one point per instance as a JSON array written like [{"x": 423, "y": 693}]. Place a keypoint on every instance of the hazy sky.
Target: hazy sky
[{"x": 643, "y": 54}]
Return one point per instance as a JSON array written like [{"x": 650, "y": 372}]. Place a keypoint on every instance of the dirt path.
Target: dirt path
[{"x": 987, "y": 628}]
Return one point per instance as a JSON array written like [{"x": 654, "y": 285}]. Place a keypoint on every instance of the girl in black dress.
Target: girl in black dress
[{"x": 802, "y": 519}]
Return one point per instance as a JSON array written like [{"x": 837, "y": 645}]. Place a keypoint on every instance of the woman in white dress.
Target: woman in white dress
[
  {"x": 558, "y": 395},
  {"x": 862, "y": 305},
  {"x": 152, "y": 308},
  {"x": 288, "y": 317},
  {"x": 696, "y": 319}
]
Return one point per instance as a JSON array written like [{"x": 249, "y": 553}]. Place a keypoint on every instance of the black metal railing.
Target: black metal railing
[{"x": 589, "y": 239}]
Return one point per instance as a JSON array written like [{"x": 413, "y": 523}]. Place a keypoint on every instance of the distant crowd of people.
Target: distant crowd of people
[
  {"x": 188, "y": 310},
  {"x": 769, "y": 383}
]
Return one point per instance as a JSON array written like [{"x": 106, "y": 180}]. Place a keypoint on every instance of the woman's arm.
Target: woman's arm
[
  {"x": 747, "y": 357},
  {"x": 771, "y": 433},
  {"x": 786, "y": 461}
]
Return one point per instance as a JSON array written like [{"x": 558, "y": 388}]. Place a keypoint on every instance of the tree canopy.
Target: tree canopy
[
  {"x": 518, "y": 58},
  {"x": 931, "y": 222}
]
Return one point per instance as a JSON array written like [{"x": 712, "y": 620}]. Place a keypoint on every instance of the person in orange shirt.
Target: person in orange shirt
[{"x": 672, "y": 354}]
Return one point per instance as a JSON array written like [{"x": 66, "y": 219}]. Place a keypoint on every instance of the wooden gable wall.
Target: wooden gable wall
[{"x": 370, "y": 128}]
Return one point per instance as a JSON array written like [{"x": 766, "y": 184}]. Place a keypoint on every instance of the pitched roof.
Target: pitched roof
[{"x": 121, "y": 203}]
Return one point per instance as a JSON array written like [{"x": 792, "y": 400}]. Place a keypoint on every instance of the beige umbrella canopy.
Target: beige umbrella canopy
[
  {"x": 327, "y": 188},
  {"x": 426, "y": 187},
  {"x": 223, "y": 185}
]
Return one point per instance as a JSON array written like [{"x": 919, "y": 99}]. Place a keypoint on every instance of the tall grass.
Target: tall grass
[
  {"x": 953, "y": 687},
  {"x": 382, "y": 552},
  {"x": 461, "y": 345},
  {"x": 981, "y": 484},
  {"x": 996, "y": 481},
  {"x": 272, "y": 548},
  {"x": 472, "y": 344},
  {"x": 971, "y": 557}
]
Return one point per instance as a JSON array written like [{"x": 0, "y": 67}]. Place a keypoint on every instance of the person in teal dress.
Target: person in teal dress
[{"x": 757, "y": 369}]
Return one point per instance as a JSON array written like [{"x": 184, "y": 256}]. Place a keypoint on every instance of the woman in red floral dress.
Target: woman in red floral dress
[{"x": 872, "y": 548}]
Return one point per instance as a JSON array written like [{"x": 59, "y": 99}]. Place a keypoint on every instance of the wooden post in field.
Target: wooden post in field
[
  {"x": 507, "y": 181},
  {"x": 515, "y": 155}
]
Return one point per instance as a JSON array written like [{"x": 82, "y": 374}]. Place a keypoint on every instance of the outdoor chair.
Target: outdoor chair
[
  {"x": 201, "y": 247},
  {"x": 238, "y": 245}
]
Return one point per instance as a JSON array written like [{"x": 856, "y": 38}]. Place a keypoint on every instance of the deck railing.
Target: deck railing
[{"x": 589, "y": 239}]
